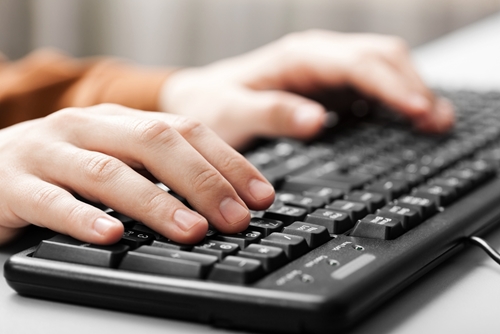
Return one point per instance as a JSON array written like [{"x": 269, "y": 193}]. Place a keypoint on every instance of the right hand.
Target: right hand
[{"x": 97, "y": 152}]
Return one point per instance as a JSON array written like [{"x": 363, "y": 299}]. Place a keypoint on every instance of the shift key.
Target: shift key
[{"x": 66, "y": 249}]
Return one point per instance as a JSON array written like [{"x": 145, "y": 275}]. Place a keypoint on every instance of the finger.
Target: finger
[
  {"x": 378, "y": 79},
  {"x": 276, "y": 113},
  {"x": 8, "y": 234},
  {"x": 248, "y": 182},
  {"x": 441, "y": 119},
  {"x": 441, "y": 116},
  {"x": 158, "y": 147},
  {"x": 46, "y": 205},
  {"x": 101, "y": 178}
]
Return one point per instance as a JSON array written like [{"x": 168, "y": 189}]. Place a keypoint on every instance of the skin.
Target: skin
[
  {"x": 250, "y": 95},
  {"x": 211, "y": 110}
]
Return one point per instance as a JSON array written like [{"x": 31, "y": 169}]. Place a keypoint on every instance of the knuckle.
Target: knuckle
[
  {"x": 105, "y": 107},
  {"x": 100, "y": 168},
  {"x": 153, "y": 130},
  {"x": 230, "y": 163},
  {"x": 397, "y": 46},
  {"x": 45, "y": 197},
  {"x": 64, "y": 116},
  {"x": 189, "y": 127},
  {"x": 207, "y": 180},
  {"x": 76, "y": 216},
  {"x": 156, "y": 202}
]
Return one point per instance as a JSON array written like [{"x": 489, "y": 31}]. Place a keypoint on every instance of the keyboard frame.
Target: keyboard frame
[{"x": 295, "y": 307}]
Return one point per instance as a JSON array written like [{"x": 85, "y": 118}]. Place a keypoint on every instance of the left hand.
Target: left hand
[{"x": 249, "y": 95}]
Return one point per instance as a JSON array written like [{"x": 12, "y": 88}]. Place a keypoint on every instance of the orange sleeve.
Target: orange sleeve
[{"x": 46, "y": 81}]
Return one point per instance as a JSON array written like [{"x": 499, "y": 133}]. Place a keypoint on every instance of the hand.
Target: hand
[
  {"x": 250, "y": 95},
  {"x": 97, "y": 152}
]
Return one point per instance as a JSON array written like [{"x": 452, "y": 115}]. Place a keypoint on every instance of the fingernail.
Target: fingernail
[
  {"x": 102, "y": 225},
  {"x": 186, "y": 219},
  {"x": 308, "y": 115},
  {"x": 232, "y": 211},
  {"x": 260, "y": 190},
  {"x": 445, "y": 114},
  {"x": 420, "y": 103}
]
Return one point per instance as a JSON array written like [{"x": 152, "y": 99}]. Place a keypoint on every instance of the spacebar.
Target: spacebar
[{"x": 169, "y": 262}]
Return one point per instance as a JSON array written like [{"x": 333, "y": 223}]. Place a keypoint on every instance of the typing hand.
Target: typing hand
[
  {"x": 246, "y": 96},
  {"x": 96, "y": 153}
]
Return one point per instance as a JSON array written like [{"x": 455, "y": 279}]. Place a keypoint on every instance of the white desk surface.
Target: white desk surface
[{"x": 460, "y": 296}]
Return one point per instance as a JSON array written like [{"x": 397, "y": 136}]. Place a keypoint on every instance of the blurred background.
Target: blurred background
[{"x": 196, "y": 32}]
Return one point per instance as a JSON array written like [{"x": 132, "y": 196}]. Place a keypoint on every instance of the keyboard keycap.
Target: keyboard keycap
[
  {"x": 217, "y": 248},
  {"x": 126, "y": 221},
  {"x": 424, "y": 206},
  {"x": 235, "y": 269},
  {"x": 336, "y": 222},
  {"x": 459, "y": 186},
  {"x": 441, "y": 195},
  {"x": 169, "y": 262},
  {"x": 271, "y": 258},
  {"x": 408, "y": 217},
  {"x": 390, "y": 188},
  {"x": 327, "y": 194},
  {"x": 66, "y": 249},
  {"x": 305, "y": 202},
  {"x": 135, "y": 239},
  {"x": 315, "y": 235},
  {"x": 373, "y": 201},
  {"x": 242, "y": 239},
  {"x": 265, "y": 226},
  {"x": 355, "y": 210},
  {"x": 378, "y": 227},
  {"x": 294, "y": 246},
  {"x": 166, "y": 243},
  {"x": 286, "y": 214}
]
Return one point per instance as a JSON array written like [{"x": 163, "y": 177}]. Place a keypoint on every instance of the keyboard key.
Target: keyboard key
[
  {"x": 408, "y": 217},
  {"x": 66, "y": 249},
  {"x": 424, "y": 171},
  {"x": 275, "y": 175},
  {"x": 424, "y": 206},
  {"x": 315, "y": 235},
  {"x": 441, "y": 195},
  {"x": 242, "y": 239},
  {"x": 355, "y": 210},
  {"x": 271, "y": 258},
  {"x": 265, "y": 226},
  {"x": 459, "y": 186},
  {"x": 126, "y": 221},
  {"x": 411, "y": 179},
  {"x": 167, "y": 243},
  {"x": 286, "y": 214},
  {"x": 305, "y": 202},
  {"x": 378, "y": 227},
  {"x": 140, "y": 227},
  {"x": 327, "y": 194},
  {"x": 235, "y": 269},
  {"x": 294, "y": 246},
  {"x": 373, "y": 201},
  {"x": 390, "y": 188},
  {"x": 327, "y": 175},
  {"x": 336, "y": 222},
  {"x": 169, "y": 262},
  {"x": 136, "y": 239},
  {"x": 216, "y": 248}
]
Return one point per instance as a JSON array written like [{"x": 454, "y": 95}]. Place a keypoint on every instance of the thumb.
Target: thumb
[{"x": 277, "y": 113}]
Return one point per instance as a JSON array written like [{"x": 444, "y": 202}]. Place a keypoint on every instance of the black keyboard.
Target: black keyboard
[{"x": 360, "y": 213}]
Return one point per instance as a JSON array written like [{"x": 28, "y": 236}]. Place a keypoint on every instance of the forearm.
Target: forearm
[{"x": 46, "y": 81}]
